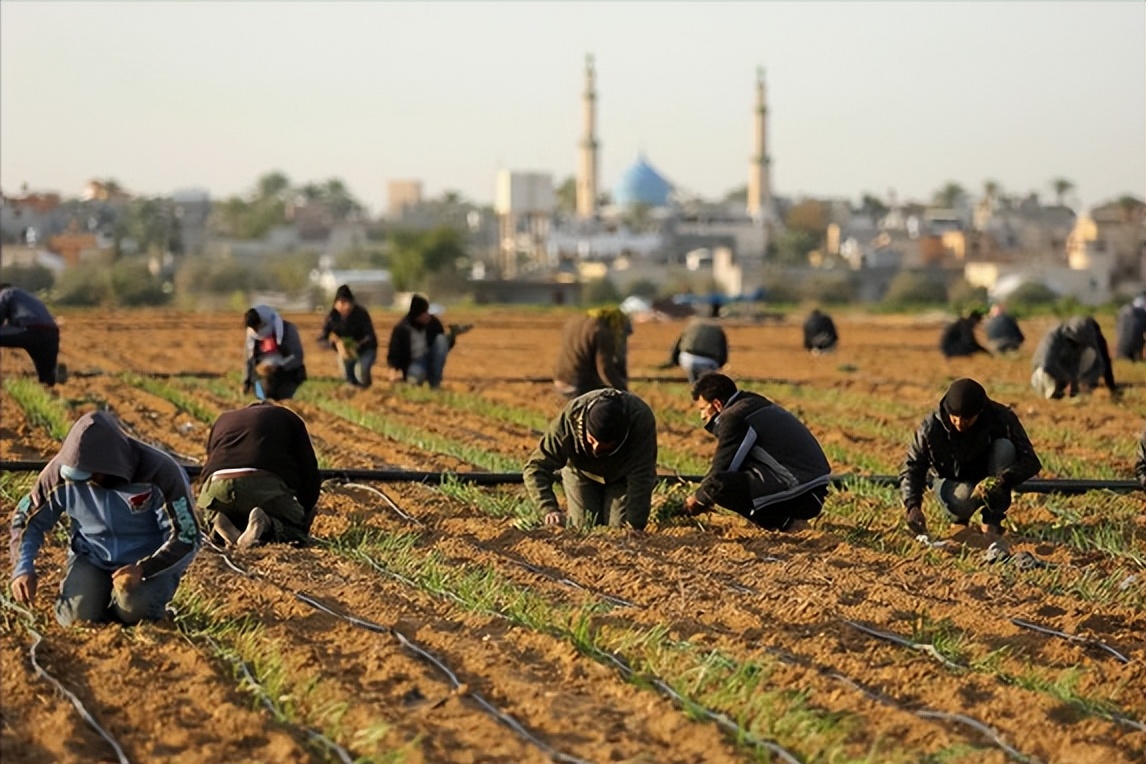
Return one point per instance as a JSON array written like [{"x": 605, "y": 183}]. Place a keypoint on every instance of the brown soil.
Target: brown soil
[{"x": 783, "y": 601}]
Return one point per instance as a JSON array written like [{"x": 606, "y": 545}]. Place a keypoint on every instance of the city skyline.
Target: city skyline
[{"x": 861, "y": 97}]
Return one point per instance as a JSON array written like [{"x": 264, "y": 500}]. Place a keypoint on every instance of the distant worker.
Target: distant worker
[
  {"x": 260, "y": 480},
  {"x": 419, "y": 345},
  {"x": 979, "y": 452},
  {"x": 275, "y": 366},
  {"x": 594, "y": 353},
  {"x": 820, "y": 333},
  {"x": 603, "y": 445},
  {"x": 1130, "y": 330},
  {"x": 1071, "y": 357},
  {"x": 768, "y": 466},
  {"x": 132, "y": 525},
  {"x": 958, "y": 337},
  {"x": 702, "y": 347},
  {"x": 26, "y": 323},
  {"x": 1003, "y": 332},
  {"x": 349, "y": 330}
]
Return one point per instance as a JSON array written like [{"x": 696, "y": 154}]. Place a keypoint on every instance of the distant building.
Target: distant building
[{"x": 401, "y": 195}]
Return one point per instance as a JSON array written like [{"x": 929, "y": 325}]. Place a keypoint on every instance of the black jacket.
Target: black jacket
[
  {"x": 820, "y": 331},
  {"x": 756, "y": 435},
  {"x": 1061, "y": 350},
  {"x": 958, "y": 339},
  {"x": 398, "y": 356},
  {"x": 1003, "y": 330},
  {"x": 357, "y": 326},
  {"x": 1130, "y": 333},
  {"x": 962, "y": 456}
]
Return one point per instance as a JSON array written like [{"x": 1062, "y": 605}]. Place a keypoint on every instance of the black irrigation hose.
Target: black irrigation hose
[
  {"x": 425, "y": 655},
  {"x": 75, "y": 701},
  {"x": 1112, "y": 716},
  {"x": 1056, "y": 485},
  {"x": 315, "y": 736},
  {"x": 738, "y": 732},
  {"x": 1070, "y": 637}
]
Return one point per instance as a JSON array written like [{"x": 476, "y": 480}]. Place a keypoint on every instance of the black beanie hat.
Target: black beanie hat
[
  {"x": 605, "y": 419},
  {"x": 343, "y": 293},
  {"x": 965, "y": 397},
  {"x": 418, "y": 306}
]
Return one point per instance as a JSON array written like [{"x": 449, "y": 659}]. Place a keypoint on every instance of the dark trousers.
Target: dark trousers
[
  {"x": 745, "y": 494},
  {"x": 235, "y": 497},
  {"x": 42, "y": 344}
]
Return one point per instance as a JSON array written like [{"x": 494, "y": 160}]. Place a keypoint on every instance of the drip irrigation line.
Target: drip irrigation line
[
  {"x": 425, "y": 655},
  {"x": 563, "y": 580},
  {"x": 926, "y": 713},
  {"x": 895, "y": 638},
  {"x": 29, "y": 618},
  {"x": 738, "y": 732},
  {"x": 1113, "y": 716},
  {"x": 314, "y": 735},
  {"x": 1070, "y": 637},
  {"x": 75, "y": 701},
  {"x": 1055, "y": 485}
]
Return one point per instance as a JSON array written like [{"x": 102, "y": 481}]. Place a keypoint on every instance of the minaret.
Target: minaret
[
  {"x": 759, "y": 191},
  {"x": 587, "y": 172}
]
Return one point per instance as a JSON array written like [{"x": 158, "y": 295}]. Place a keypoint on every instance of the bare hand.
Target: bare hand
[
  {"x": 693, "y": 506},
  {"x": 24, "y": 588},
  {"x": 554, "y": 518},
  {"x": 916, "y": 522},
  {"x": 127, "y": 578}
]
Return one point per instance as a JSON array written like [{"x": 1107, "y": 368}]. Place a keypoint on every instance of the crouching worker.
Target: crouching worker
[
  {"x": 604, "y": 446},
  {"x": 419, "y": 345},
  {"x": 768, "y": 466},
  {"x": 261, "y": 479},
  {"x": 275, "y": 366},
  {"x": 978, "y": 451},
  {"x": 132, "y": 525}
]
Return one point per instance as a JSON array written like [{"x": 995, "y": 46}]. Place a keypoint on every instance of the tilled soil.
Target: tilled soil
[{"x": 784, "y": 622}]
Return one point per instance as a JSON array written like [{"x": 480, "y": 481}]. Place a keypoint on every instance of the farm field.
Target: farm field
[{"x": 442, "y": 623}]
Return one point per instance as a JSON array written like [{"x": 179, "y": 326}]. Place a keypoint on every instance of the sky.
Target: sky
[{"x": 862, "y": 97}]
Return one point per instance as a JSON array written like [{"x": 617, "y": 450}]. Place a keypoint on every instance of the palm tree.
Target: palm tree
[
  {"x": 949, "y": 195},
  {"x": 1061, "y": 186}
]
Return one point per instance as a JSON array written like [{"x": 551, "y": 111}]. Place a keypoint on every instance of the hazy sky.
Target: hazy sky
[{"x": 862, "y": 97}]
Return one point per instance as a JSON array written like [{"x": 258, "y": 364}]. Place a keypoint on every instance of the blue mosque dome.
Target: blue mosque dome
[{"x": 641, "y": 184}]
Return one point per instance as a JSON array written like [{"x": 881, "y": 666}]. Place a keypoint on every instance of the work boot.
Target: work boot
[
  {"x": 61, "y": 373},
  {"x": 226, "y": 530},
  {"x": 258, "y": 524}
]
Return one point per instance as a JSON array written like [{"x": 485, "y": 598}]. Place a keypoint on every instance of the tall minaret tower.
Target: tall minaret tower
[
  {"x": 759, "y": 185},
  {"x": 587, "y": 171}
]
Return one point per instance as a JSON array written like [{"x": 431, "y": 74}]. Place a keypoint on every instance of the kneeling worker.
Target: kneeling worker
[
  {"x": 604, "y": 445},
  {"x": 261, "y": 479},
  {"x": 768, "y": 466}
]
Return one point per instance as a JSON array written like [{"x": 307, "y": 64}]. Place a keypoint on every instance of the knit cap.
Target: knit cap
[
  {"x": 965, "y": 398},
  {"x": 605, "y": 419}
]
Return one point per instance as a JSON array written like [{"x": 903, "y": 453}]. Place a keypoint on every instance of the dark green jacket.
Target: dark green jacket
[{"x": 565, "y": 444}]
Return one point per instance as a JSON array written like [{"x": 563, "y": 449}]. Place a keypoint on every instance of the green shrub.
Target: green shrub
[
  {"x": 600, "y": 291},
  {"x": 133, "y": 284},
  {"x": 86, "y": 285},
  {"x": 914, "y": 288},
  {"x": 30, "y": 278}
]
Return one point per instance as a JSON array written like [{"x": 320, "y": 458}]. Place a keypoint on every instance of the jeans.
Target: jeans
[
  {"x": 695, "y": 366},
  {"x": 87, "y": 594},
  {"x": 592, "y": 503},
  {"x": 236, "y": 497},
  {"x": 956, "y": 498},
  {"x": 429, "y": 367},
  {"x": 357, "y": 372}
]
